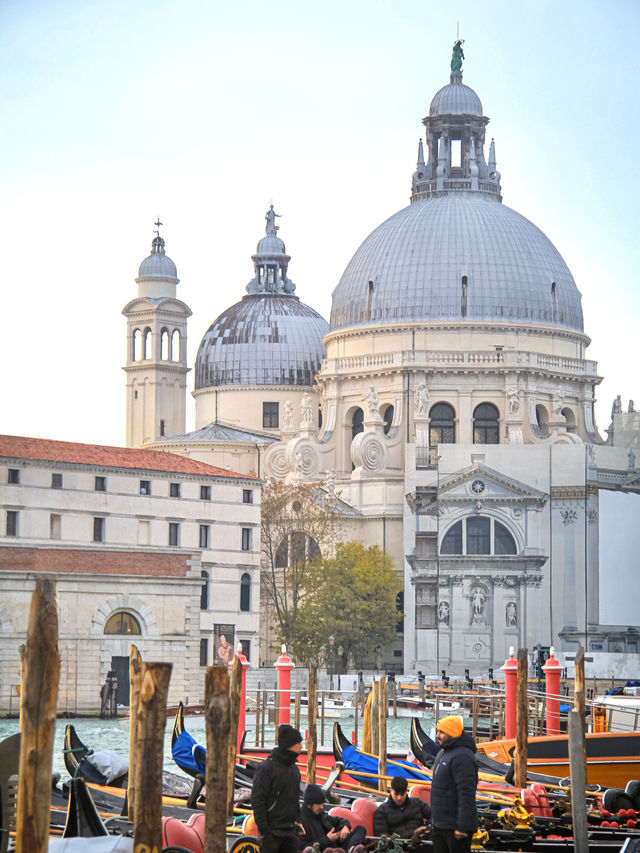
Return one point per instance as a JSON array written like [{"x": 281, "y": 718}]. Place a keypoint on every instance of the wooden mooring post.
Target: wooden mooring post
[
  {"x": 312, "y": 716},
  {"x": 38, "y": 700},
  {"x": 383, "y": 713},
  {"x": 148, "y": 751},
  {"x": 522, "y": 722},
  {"x": 135, "y": 674},
  {"x": 235, "y": 688},
  {"x": 578, "y": 782},
  {"x": 375, "y": 718},
  {"x": 216, "y": 713}
]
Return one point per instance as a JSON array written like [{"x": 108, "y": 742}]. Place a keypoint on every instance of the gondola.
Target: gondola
[{"x": 355, "y": 759}]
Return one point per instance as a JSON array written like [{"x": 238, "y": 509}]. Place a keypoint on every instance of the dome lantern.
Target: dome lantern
[
  {"x": 158, "y": 264},
  {"x": 271, "y": 261}
]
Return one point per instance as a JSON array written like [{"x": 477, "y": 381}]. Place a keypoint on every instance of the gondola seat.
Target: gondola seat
[
  {"x": 347, "y": 814},
  {"x": 364, "y": 809},
  {"x": 249, "y": 825},
  {"x": 422, "y": 792},
  {"x": 190, "y": 835},
  {"x": 9, "y": 761}
]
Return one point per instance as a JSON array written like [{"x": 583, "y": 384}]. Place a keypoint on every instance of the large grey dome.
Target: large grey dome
[
  {"x": 418, "y": 257},
  {"x": 455, "y": 99},
  {"x": 265, "y": 339}
]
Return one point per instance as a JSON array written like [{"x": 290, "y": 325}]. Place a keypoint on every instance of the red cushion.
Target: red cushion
[
  {"x": 422, "y": 792},
  {"x": 340, "y": 811},
  {"x": 364, "y": 808},
  {"x": 179, "y": 834}
]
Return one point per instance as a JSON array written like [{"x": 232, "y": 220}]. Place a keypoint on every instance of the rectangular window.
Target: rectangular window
[
  {"x": 14, "y": 476},
  {"x": 145, "y": 487},
  {"x": 56, "y": 481},
  {"x": 426, "y": 605},
  {"x": 174, "y": 533},
  {"x": 174, "y": 490},
  {"x": 143, "y": 532},
  {"x": 98, "y": 529},
  {"x": 246, "y": 538},
  {"x": 100, "y": 484},
  {"x": 204, "y": 535},
  {"x": 478, "y": 535},
  {"x": 161, "y": 427},
  {"x": 456, "y": 153},
  {"x": 12, "y": 522},
  {"x": 247, "y": 496},
  {"x": 204, "y": 651},
  {"x": 246, "y": 648},
  {"x": 270, "y": 415},
  {"x": 205, "y": 493},
  {"x": 55, "y": 526}
]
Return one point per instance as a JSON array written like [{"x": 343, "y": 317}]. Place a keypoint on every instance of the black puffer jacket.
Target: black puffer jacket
[
  {"x": 390, "y": 819},
  {"x": 453, "y": 789},
  {"x": 316, "y": 827},
  {"x": 275, "y": 795}
]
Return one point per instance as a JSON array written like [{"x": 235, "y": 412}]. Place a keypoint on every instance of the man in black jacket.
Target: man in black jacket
[
  {"x": 275, "y": 795},
  {"x": 401, "y": 814},
  {"x": 326, "y": 830},
  {"x": 454, "y": 813}
]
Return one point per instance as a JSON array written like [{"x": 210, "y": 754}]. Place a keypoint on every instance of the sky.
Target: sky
[{"x": 115, "y": 113}]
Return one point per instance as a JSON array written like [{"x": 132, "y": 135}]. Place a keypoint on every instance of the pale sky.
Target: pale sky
[{"x": 115, "y": 112}]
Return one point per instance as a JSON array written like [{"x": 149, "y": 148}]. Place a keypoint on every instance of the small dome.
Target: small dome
[
  {"x": 265, "y": 339},
  {"x": 270, "y": 245},
  {"x": 455, "y": 99},
  {"x": 158, "y": 264}
]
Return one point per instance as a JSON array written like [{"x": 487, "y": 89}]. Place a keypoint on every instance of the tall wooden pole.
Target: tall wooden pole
[
  {"x": 375, "y": 718},
  {"x": 522, "y": 722},
  {"x": 22, "y": 651},
  {"x": 366, "y": 723},
  {"x": 216, "y": 692},
  {"x": 235, "y": 689},
  {"x": 312, "y": 715},
  {"x": 148, "y": 749},
  {"x": 38, "y": 700},
  {"x": 580, "y": 701},
  {"x": 578, "y": 782},
  {"x": 135, "y": 675},
  {"x": 383, "y": 711}
]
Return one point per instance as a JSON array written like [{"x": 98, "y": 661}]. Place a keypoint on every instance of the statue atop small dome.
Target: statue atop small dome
[
  {"x": 270, "y": 216},
  {"x": 456, "y": 58}
]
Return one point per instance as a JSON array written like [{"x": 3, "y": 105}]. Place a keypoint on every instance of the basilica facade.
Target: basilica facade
[{"x": 449, "y": 401}]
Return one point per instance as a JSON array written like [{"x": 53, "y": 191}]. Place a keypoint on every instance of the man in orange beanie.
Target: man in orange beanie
[{"x": 454, "y": 814}]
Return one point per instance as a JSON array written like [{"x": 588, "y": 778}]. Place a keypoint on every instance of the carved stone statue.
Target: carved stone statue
[
  {"x": 630, "y": 407},
  {"x": 443, "y": 612},
  {"x": 616, "y": 409},
  {"x": 557, "y": 401},
  {"x": 457, "y": 56},
  {"x": 513, "y": 398},
  {"x": 421, "y": 399},
  {"x": 478, "y": 599},
  {"x": 299, "y": 463},
  {"x": 373, "y": 401},
  {"x": 306, "y": 410},
  {"x": 270, "y": 216},
  {"x": 287, "y": 415},
  {"x": 511, "y": 614}
]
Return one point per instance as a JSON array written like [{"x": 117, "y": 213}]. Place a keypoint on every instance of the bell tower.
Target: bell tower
[{"x": 156, "y": 365}]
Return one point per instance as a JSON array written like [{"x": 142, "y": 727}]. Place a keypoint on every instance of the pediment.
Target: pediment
[{"x": 479, "y": 482}]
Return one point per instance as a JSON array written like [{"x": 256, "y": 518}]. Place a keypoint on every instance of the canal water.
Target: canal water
[{"x": 114, "y": 735}]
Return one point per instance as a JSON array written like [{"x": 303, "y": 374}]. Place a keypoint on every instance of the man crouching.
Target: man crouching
[{"x": 327, "y": 831}]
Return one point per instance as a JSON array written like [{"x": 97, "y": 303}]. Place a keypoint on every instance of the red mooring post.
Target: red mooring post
[
  {"x": 284, "y": 665},
  {"x": 552, "y": 671},
  {"x": 243, "y": 696},
  {"x": 510, "y": 670}
]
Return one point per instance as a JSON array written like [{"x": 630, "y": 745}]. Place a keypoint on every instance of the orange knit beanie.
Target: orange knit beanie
[{"x": 451, "y": 726}]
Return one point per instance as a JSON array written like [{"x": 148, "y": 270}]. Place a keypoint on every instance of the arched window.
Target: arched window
[
  {"x": 570, "y": 418},
  {"x": 357, "y": 426},
  {"x": 387, "y": 417},
  {"x": 204, "y": 591},
  {"x": 146, "y": 344},
  {"x": 478, "y": 534},
  {"x": 245, "y": 592},
  {"x": 442, "y": 428},
  {"x": 122, "y": 623},
  {"x": 296, "y": 548},
  {"x": 542, "y": 418},
  {"x": 164, "y": 345},
  {"x": 175, "y": 345},
  {"x": 400, "y": 611},
  {"x": 485, "y": 424},
  {"x": 137, "y": 345},
  {"x": 357, "y": 422}
]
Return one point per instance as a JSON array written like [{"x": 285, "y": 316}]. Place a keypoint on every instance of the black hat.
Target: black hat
[
  {"x": 313, "y": 794},
  {"x": 288, "y": 736}
]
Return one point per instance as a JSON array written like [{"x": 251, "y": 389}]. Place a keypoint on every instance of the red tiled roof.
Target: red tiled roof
[{"x": 46, "y": 450}]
